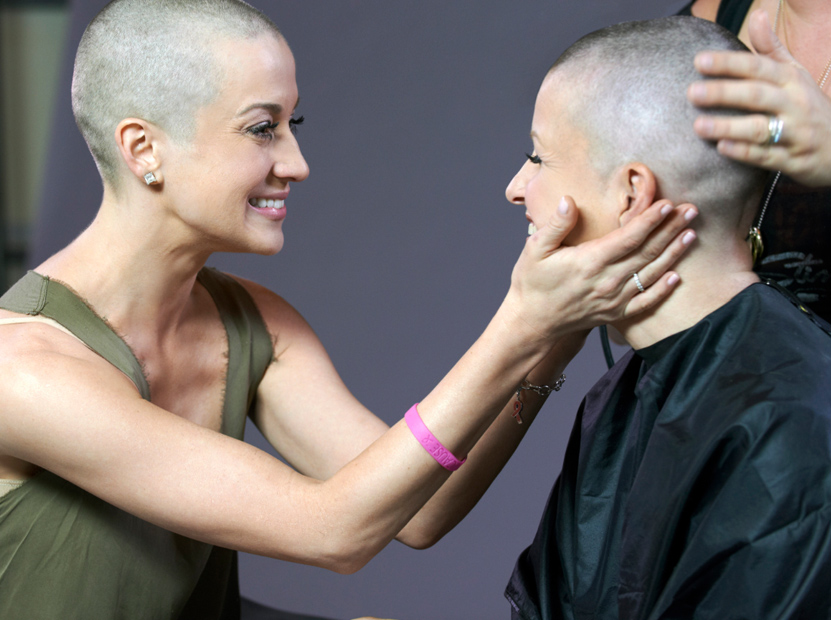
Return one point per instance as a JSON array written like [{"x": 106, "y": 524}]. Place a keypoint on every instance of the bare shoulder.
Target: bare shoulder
[
  {"x": 706, "y": 9},
  {"x": 37, "y": 358},
  {"x": 35, "y": 340},
  {"x": 284, "y": 322},
  {"x": 42, "y": 367}
]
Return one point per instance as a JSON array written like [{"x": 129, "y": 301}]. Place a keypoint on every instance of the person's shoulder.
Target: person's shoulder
[
  {"x": 43, "y": 372},
  {"x": 29, "y": 348},
  {"x": 705, "y": 9},
  {"x": 284, "y": 323},
  {"x": 785, "y": 320},
  {"x": 270, "y": 304}
]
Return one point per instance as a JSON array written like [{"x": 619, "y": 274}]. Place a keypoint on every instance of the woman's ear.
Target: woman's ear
[
  {"x": 636, "y": 187},
  {"x": 139, "y": 144}
]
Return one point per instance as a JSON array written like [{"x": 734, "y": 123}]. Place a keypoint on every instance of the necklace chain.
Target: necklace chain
[{"x": 755, "y": 234}]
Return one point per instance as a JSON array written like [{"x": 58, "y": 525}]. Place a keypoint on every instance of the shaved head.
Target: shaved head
[
  {"x": 626, "y": 87},
  {"x": 154, "y": 60}
]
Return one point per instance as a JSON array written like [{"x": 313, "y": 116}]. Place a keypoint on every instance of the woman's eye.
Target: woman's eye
[
  {"x": 263, "y": 130},
  {"x": 295, "y": 122},
  {"x": 534, "y": 159}
]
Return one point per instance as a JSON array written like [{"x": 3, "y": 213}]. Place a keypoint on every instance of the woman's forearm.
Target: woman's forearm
[{"x": 465, "y": 487}]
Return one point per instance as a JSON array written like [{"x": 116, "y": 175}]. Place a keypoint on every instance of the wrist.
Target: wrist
[{"x": 526, "y": 327}]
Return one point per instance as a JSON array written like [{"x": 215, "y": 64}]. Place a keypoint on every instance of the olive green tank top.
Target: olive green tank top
[{"x": 66, "y": 554}]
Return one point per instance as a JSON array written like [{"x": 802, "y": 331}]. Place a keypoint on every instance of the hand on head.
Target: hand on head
[
  {"x": 773, "y": 87},
  {"x": 592, "y": 283}
]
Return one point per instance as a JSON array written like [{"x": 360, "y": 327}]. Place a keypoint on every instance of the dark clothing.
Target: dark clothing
[
  {"x": 697, "y": 480},
  {"x": 730, "y": 14},
  {"x": 66, "y": 554},
  {"x": 797, "y": 224}
]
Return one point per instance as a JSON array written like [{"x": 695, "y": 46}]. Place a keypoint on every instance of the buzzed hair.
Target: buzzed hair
[
  {"x": 627, "y": 85},
  {"x": 153, "y": 60}
]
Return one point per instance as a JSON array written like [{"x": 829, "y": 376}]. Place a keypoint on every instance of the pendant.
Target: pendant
[
  {"x": 518, "y": 411},
  {"x": 754, "y": 238}
]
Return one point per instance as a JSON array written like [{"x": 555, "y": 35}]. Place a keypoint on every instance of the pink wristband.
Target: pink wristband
[{"x": 429, "y": 442}]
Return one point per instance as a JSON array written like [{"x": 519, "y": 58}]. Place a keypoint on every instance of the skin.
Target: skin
[
  {"x": 355, "y": 484},
  {"x": 606, "y": 204},
  {"x": 780, "y": 79}
]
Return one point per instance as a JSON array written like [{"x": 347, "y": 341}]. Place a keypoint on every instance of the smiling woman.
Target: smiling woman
[{"x": 128, "y": 369}]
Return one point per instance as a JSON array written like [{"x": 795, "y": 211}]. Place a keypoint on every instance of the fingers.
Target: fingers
[
  {"x": 651, "y": 272},
  {"x": 769, "y": 157},
  {"x": 622, "y": 242},
  {"x": 754, "y": 128},
  {"x": 551, "y": 236},
  {"x": 652, "y": 295},
  {"x": 741, "y": 66},
  {"x": 764, "y": 40},
  {"x": 648, "y": 238},
  {"x": 751, "y": 94}
]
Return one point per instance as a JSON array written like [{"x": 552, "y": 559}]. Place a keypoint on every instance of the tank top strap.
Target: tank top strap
[
  {"x": 250, "y": 349},
  {"x": 35, "y": 294},
  {"x": 732, "y": 13}
]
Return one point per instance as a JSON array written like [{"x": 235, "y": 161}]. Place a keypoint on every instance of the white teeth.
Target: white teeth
[
  {"x": 531, "y": 228},
  {"x": 263, "y": 203}
]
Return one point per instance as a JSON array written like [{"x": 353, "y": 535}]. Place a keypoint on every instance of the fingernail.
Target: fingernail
[
  {"x": 698, "y": 90},
  {"x": 690, "y": 214},
  {"x": 704, "y": 61},
  {"x": 665, "y": 210},
  {"x": 563, "y": 208},
  {"x": 705, "y": 125},
  {"x": 673, "y": 279},
  {"x": 688, "y": 238}
]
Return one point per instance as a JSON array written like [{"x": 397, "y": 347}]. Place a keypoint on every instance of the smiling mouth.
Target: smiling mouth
[
  {"x": 531, "y": 228},
  {"x": 266, "y": 203}
]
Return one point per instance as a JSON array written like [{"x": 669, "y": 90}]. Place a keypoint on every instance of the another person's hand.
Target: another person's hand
[
  {"x": 774, "y": 86},
  {"x": 566, "y": 289}
]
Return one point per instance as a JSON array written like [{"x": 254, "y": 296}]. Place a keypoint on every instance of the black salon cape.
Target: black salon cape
[{"x": 697, "y": 480}]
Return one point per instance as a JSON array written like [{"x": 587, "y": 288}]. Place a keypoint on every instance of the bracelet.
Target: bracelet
[
  {"x": 542, "y": 390},
  {"x": 429, "y": 442}
]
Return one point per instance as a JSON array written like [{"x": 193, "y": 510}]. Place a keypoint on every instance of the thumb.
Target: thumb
[
  {"x": 551, "y": 236},
  {"x": 764, "y": 39}
]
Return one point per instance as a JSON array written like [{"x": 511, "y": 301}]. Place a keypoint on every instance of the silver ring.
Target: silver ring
[
  {"x": 775, "y": 127},
  {"x": 637, "y": 280}
]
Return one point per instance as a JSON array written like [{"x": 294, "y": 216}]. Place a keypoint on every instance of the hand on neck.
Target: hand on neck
[{"x": 709, "y": 279}]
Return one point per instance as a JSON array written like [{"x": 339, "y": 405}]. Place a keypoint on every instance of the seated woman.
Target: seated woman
[{"x": 127, "y": 369}]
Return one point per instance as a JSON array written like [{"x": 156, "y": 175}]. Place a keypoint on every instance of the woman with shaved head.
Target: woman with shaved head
[{"x": 127, "y": 368}]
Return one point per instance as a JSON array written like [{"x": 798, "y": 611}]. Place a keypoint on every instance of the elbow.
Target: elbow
[
  {"x": 347, "y": 564},
  {"x": 347, "y": 557},
  {"x": 420, "y": 536}
]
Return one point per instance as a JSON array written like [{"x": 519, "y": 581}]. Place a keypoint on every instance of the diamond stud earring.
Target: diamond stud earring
[{"x": 150, "y": 178}]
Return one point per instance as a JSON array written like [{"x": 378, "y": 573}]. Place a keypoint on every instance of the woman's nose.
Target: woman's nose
[
  {"x": 515, "y": 192},
  {"x": 290, "y": 163}
]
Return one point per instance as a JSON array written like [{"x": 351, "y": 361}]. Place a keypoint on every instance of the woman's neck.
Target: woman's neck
[
  {"x": 131, "y": 272},
  {"x": 711, "y": 275}
]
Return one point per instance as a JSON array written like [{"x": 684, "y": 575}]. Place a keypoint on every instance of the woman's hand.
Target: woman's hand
[
  {"x": 772, "y": 85},
  {"x": 593, "y": 282}
]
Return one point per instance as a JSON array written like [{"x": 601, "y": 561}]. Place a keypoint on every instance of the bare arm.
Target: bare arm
[
  {"x": 70, "y": 412},
  {"x": 67, "y": 410},
  {"x": 315, "y": 423}
]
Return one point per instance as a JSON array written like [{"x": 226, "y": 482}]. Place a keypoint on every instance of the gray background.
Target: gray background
[{"x": 398, "y": 248}]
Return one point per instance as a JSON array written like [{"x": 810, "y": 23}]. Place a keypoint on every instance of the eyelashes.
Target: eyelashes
[
  {"x": 534, "y": 159},
  {"x": 294, "y": 123},
  {"x": 263, "y": 130},
  {"x": 266, "y": 130}
]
